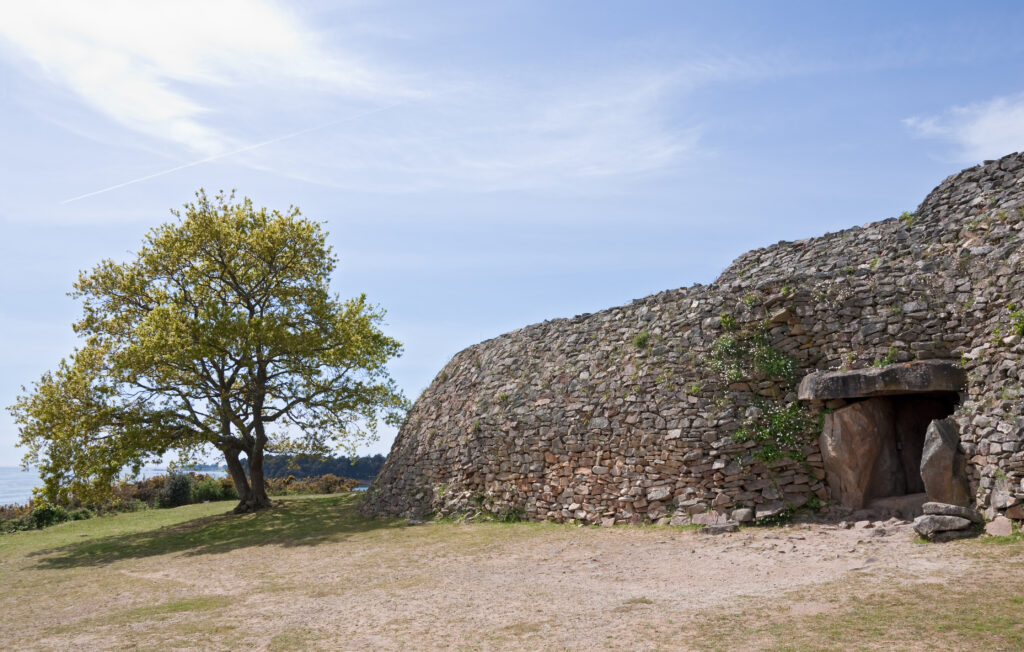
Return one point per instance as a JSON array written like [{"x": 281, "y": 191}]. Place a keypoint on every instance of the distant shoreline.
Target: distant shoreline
[{"x": 16, "y": 484}]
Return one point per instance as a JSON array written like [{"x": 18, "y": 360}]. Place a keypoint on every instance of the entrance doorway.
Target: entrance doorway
[
  {"x": 872, "y": 448},
  {"x": 873, "y": 443}
]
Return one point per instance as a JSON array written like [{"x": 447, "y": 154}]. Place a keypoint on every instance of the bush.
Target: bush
[
  {"x": 227, "y": 489},
  {"x": 325, "y": 484},
  {"x": 46, "y": 515},
  {"x": 147, "y": 490},
  {"x": 206, "y": 489},
  {"x": 80, "y": 514},
  {"x": 177, "y": 491}
]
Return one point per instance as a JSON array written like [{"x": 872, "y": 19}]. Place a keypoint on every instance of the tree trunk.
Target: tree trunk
[
  {"x": 249, "y": 499},
  {"x": 252, "y": 492},
  {"x": 258, "y": 496}
]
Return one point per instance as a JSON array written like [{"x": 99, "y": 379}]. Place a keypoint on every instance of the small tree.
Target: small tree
[{"x": 221, "y": 332}]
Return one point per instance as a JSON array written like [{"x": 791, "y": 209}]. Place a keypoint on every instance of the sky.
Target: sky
[{"x": 480, "y": 166}]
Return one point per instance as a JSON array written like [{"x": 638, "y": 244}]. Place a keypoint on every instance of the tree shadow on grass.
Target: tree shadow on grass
[{"x": 288, "y": 523}]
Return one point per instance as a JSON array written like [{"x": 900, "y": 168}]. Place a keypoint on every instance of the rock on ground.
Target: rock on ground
[
  {"x": 1000, "y": 526},
  {"x": 929, "y": 524},
  {"x": 945, "y": 509}
]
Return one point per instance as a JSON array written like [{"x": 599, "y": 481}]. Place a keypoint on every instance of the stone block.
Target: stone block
[
  {"x": 946, "y": 509},
  {"x": 1000, "y": 526},
  {"x": 906, "y": 378},
  {"x": 928, "y": 524},
  {"x": 943, "y": 466}
]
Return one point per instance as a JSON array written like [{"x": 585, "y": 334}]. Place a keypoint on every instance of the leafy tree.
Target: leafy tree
[{"x": 222, "y": 332}]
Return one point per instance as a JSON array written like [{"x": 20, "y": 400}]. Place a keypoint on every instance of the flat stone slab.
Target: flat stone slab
[
  {"x": 919, "y": 377},
  {"x": 721, "y": 528},
  {"x": 944, "y": 509},
  {"x": 929, "y": 524}
]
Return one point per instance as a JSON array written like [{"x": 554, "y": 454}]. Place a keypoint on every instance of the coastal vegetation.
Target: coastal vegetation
[
  {"x": 221, "y": 333},
  {"x": 161, "y": 491}
]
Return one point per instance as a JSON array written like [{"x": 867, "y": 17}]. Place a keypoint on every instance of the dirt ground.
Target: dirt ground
[{"x": 474, "y": 586}]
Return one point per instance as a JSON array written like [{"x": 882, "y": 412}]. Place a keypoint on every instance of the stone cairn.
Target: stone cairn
[
  {"x": 945, "y": 522},
  {"x": 683, "y": 406}
]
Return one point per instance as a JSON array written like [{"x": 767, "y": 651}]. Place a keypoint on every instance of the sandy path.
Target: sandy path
[{"x": 486, "y": 586}]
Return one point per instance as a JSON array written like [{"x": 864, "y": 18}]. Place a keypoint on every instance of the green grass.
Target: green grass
[{"x": 192, "y": 529}]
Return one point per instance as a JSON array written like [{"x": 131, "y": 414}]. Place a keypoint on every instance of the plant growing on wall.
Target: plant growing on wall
[
  {"x": 746, "y": 354},
  {"x": 780, "y": 429}
]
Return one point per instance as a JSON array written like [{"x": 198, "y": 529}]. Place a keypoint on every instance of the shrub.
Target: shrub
[
  {"x": 46, "y": 515},
  {"x": 177, "y": 491},
  {"x": 324, "y": 484},
  {"x": 206, "y": 489},
  {"x": 640, "y": 339},
  {"x": 227, "y": 489},
  {"x": 80, "y": 514},
  {"x": 147, "y": 490}
]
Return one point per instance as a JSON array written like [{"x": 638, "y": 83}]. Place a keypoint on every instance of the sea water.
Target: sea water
[{"x": 16, "y": 485}]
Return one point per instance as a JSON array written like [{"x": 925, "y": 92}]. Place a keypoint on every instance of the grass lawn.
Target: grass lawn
[{"x": 312, "y": 574}]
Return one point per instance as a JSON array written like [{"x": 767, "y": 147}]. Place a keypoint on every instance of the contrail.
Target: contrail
[{"x": 235, "y": 151}]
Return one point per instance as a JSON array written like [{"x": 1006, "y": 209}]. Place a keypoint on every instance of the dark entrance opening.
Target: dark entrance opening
[
  {"x": 872, "y": 447},
  {"x": 873, "y": 443},
  {"x": 911, "y": 415}
]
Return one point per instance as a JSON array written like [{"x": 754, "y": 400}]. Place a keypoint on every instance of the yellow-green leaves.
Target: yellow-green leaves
[{"x": 221, "y": 331}]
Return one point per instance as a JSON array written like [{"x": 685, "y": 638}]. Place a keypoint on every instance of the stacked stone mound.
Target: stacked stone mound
[
  {"x": 627, "y": 416},
  {"x": 944, "y": 522}
]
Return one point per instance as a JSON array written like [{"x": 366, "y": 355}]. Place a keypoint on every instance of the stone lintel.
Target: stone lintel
[{"x": 918, "y": 377}]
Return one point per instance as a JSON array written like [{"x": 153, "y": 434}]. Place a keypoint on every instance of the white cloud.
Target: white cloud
[
  {"x": 145, "y": 64},
  {"x": 249, "y": 82},
  {"x": 493, "y": 136},
  {"x": 983, "y": 130}
]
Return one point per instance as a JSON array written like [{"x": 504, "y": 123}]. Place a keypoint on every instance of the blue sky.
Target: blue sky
[{"x": 480, "y": 166}]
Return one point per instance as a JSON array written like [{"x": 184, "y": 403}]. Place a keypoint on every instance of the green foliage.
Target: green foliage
[
  {"x": 908, "y": 218},
  {"x": 780, "y": 430},
  {"x": 222, "y": 332},
  {"x": 640, "y": 339},
  {"x": 227, "y": 489},
  {"x": 728, "y": 322},
  {"x": 890, "y": 358},
  {"x": 46, "y": 515},
  {"x": 206, "y": 489},
  {"x": 693, "y": 388},
  {"x": 80, "y": 514},
  {"x": 783, "y": 517},
  {"x": 177, "y": 490},
  {"x": 324, "y": 484},
  {"x": 1016, "y": 319},
  {"x": 363, "y": 467},
  {"x": 741, "y": 356}
]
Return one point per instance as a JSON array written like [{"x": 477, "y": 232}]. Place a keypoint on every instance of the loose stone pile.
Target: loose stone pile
[
  {"x": 945, "y": 522},
  {"x": 659, "y": 409}
]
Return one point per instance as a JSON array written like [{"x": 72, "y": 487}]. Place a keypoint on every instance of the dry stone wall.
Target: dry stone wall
[{"x": 645, "y": 412}]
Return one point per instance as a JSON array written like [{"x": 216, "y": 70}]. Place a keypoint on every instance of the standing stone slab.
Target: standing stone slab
[
  {"x": 858, "y": 447},
  {"x": 943, "y": 467}
]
